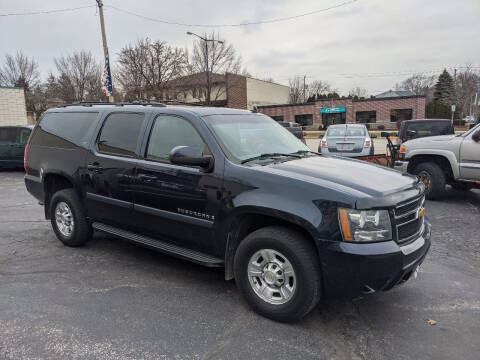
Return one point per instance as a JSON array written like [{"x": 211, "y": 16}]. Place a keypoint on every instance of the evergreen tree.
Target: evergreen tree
[{"x": 445, "y": 89}]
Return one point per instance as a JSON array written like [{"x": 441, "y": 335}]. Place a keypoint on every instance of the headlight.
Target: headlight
[{"x": 365, "y": 225}]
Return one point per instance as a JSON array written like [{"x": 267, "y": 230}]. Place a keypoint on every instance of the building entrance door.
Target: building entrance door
[{"x": 333, "y": 118}]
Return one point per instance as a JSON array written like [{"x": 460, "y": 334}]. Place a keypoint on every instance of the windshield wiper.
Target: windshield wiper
[
  {"x": 305, "y": 152},
  {"x": 267, "y": 155}
]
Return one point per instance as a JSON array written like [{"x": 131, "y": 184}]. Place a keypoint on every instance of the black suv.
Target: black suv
[{"x": 229, "y": 188}]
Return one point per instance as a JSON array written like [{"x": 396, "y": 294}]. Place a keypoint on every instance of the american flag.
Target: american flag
[{"x": 107, "y": 87}]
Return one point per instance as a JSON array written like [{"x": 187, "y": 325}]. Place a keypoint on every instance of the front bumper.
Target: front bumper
[
  {"x": 353, "y": 269},
  {"x": 401, "y": 166}
]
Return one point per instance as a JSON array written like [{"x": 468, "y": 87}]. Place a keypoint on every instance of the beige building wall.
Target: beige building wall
[
  {"x": 218, "y": 93},
  {"x": 260, "y": 92},
  {"x": 12, "y": 107}
]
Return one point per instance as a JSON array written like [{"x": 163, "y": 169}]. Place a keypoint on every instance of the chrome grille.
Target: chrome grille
[{"x": 408, "y": 223}]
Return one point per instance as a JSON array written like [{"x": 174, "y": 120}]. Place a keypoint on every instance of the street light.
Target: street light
[{"x": 207, "y": 69}]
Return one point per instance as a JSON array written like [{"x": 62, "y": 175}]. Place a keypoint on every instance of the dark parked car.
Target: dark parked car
[
  {"x": 229, "y": 188},
  {"x": 12, "y": 145},
  {"x": 294, "y": 128},
  {"x": 414, "y": 129}
]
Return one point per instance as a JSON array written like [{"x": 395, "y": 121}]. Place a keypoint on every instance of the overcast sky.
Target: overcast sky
[{"x": 367, "y": 43}]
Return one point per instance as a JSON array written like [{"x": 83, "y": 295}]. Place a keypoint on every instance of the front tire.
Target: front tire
[
  {"x": 433, "y": 177},
  {"x": 68, "y": 218},
  {"x": 277, "y": 271}
]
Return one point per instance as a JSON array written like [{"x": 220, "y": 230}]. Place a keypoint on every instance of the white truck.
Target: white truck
[{"x": 441, "y": 160}]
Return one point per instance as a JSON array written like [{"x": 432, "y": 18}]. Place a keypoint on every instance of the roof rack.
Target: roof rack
[{"x": 136, "y": 102}]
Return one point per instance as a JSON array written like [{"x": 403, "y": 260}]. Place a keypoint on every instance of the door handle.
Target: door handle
[
  {"x": 95, "y": 167},
  {"x": 147, "y": 178}
]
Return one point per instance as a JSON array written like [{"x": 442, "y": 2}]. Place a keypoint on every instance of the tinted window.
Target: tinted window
[
  {"x": 72, "y": 126},
  {"x": 24, "y": 134},
  {"x": 304, "y": 120},
  {"x": 168, "y": 132},
  {"x": 364, "y": 117},
  {"x": 119, "y": 134},
  {"x": 423, "y": 129},
  {"x": 8, "y": 134},
  {"x": 400, "y": 114}
]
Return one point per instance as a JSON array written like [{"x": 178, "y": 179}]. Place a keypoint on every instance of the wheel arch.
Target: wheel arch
[
  {"x": 53, "y": 182},
  {"x": 442, "y": 160},
  {"x": 246, "y": 222}
]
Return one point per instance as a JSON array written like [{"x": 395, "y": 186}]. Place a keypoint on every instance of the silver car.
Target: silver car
[{"x": 347, "y": 140}]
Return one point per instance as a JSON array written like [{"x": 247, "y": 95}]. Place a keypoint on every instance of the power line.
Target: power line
[
  {"x": 269, "y": 21},
  {"x": 43, "y": 12}
]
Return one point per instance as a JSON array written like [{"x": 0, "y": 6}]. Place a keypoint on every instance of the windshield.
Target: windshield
[
  {"x": 248, "y": 135},
  {"x": 346, "y": 131},
  {"x": 476, "y": 127}
]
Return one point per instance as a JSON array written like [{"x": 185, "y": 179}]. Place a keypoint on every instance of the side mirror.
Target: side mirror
[
  {"x": 476, "y": 136},
  {"x": 191, "y": 156},
  {"x": 411, "y": 133}
]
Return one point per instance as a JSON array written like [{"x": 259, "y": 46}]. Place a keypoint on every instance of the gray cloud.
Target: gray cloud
[{"x": 369, "y": 36}]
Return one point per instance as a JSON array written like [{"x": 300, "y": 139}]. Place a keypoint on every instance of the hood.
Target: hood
[
  {"x": 342, "y": 174},
  {"x": 431, "y": 138}
]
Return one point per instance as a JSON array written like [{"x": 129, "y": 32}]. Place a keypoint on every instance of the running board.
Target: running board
[{"x": 162, "y": 246}]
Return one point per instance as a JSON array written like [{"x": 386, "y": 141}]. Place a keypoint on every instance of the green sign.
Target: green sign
[{"x": 334, "y": 110}]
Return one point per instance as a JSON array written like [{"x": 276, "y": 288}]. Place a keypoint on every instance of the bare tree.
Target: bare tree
[
  {"x": 466, "y": 86},
  {"x": 19, "y": 70},
  {"x": 296, "y": 89},
  {"x": 419, "y": 84},
  {"x": 77, "y": 74},
  {"x": 145, "y": 69},
  {"x": 358, "y": 92},
  {"x": 209, "y": 58},
  {"x": 318, "y": 87}
]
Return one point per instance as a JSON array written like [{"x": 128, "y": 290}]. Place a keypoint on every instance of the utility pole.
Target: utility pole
[
  {"x": 207, "y": 66},
  {"x": 104, "y": 38}
]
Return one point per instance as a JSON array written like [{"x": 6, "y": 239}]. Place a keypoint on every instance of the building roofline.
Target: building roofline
[
  {"x": 391, "y": 98},
  {"x": 337, "y": 99}
]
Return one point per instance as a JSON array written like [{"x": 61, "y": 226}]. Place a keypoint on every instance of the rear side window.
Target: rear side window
[
  {"x": 171, "y": 131},
  {"x": 8, "y": 134},
  {"x": 424, "y": 129},
  {"x": 24, "y": 134},
  {"x": 71, "y": 126},
  {"x": 119, "y": 134}
]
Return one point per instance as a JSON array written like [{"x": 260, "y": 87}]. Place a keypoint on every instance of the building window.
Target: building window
[
  {"x": 333, "y": 118},
  {"x": 304, "y": 120},
  {"x": 277, "y": 118},
  {"x": 400, "y": 114},
  {"x": 364, "y": 117}
]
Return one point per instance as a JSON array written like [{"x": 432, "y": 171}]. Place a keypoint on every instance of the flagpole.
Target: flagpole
[{"x": 104, "y": 38}]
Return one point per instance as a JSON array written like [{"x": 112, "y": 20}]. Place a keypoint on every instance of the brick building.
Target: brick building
[
  {"x": 230, "y": 90},
  {"x": 12, "y": 106},
  {"x": 375, "y": 111}
]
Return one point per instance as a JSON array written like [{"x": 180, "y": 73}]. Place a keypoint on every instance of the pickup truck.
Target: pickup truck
[
  {"x": 418, "y": 128},
  {"x": 294, "y": 128},
  {"x": 441, "y": 160}
]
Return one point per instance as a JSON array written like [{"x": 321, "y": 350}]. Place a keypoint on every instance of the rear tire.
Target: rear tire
[
  {"x": 433, "y": 177},
  {"x": 287, "y": 285},
  {"x": 68, "y": 218}
]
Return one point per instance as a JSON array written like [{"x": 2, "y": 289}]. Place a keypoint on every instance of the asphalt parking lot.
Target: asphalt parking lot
[{"x": 114, "y": 300}]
